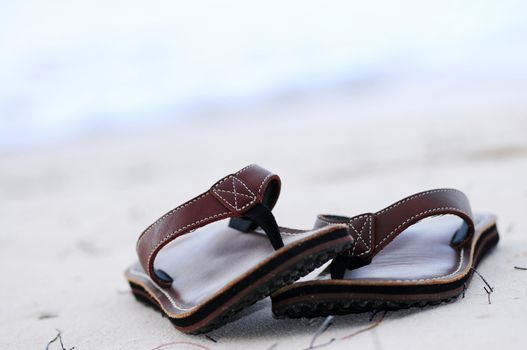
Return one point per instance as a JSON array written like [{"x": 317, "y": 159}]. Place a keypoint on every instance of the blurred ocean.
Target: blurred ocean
[{"x": 67, "y": 67}]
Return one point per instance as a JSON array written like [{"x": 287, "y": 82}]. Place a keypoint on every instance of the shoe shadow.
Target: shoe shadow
[{"x": 257, "y": 321}]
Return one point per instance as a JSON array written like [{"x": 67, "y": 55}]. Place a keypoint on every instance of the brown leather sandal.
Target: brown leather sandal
[
  {"x": 200, "y": 280},
  {"x": 431, "y": 262}
]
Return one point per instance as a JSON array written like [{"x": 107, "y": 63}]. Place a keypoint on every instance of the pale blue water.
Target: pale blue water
[{"x": 71, "y": 66}]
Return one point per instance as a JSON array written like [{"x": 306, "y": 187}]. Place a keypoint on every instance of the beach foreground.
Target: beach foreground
[{"x": 71, "y": 215}]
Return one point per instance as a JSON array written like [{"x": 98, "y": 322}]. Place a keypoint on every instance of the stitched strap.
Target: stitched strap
[
  {"x": 373, "y": 231},
  {"x": 232, "y": 196}
]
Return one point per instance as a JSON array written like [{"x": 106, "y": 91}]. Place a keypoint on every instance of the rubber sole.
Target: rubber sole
[
  {"x": 264, "y": 289},
  {"x": 380, "y": 298}
]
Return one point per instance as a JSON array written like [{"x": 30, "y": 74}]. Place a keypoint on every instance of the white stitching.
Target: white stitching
[
  {"x": 239, "y": 194},
  {"x": 240, "y": 181},
  {"x": 461, "y": 259},
  {"x": 417, "y": 215},
  {"x": 253, "y": 198},
  {"x": 169, "y": 214},
  {"x": 359, "y": 235},
  {"x": 368, "y": 219},
  {"x": 263, "y": 181},
  {"x": 244, "y": 185},
  {"x": 243, "y": 169},
  {"x": 235, "y": 208},
  {"x": 174, "y": 304},
  {"x": 234, "y": 191},
  {"x": 415, "y": 196},
  {"x": 247, "y": 188}
]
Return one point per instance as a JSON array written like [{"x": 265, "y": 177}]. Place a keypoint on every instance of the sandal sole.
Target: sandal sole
[
  {"x": 380, "y": 299},
  {"x": 281, "y": 276}
]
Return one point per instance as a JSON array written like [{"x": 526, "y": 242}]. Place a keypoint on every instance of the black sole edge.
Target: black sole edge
[
  {"x": 327, "y": 308},
  {"x": 322, "y": 308},
  {"x": 287, "y": 277}
]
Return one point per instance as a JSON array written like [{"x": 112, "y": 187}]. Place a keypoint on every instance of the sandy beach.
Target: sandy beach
[{"x": 71, "y": 213}]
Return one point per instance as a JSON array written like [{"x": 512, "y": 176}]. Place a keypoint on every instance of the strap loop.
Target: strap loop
[{"x": 232, "y": 196}]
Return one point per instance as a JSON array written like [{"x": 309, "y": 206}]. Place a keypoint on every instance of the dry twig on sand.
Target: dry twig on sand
[
  {"x": 375, "y": 324},
  {"x": 323, "y": 327},
  {"x": 488, "y": 293},
  {"x": 483, "y": 279},
  {"x": 59, "y": 338},
  {"x": 210, "y": 338},
  {"x": 490, "y": 289}
]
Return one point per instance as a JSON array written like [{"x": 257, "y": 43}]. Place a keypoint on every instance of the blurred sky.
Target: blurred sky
[{"x": 70, "y": 66}]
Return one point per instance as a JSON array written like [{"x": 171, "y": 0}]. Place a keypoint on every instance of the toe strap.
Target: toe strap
[
  {"x": 233, "y": 196},
  {"x": 373, "y": 231}
]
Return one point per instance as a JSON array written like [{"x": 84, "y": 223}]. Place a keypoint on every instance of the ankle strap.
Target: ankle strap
[{"x": 232, "y": 196}]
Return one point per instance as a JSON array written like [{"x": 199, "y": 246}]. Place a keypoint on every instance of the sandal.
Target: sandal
[
  {"x": 431, "y": 262},
  {"x": 200, "y": 280}
]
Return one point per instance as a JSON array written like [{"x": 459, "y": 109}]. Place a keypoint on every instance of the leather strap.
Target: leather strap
[
  {"x": 232, "y": 196},
  {"x": 373, "y": 231}
]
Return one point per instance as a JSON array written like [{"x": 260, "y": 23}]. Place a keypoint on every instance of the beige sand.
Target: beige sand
[{"x": 70, "y": 214}]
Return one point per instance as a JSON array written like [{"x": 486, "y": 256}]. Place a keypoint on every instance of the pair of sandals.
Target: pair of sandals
[{"x": 201, "y": 280}]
